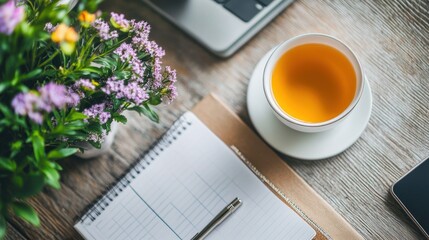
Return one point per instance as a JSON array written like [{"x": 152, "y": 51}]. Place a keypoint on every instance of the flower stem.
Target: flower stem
[
  {"x": 83, "y": 52},
  {"x": 49, "y": 59},
  {"x": 113, "y": 48}
]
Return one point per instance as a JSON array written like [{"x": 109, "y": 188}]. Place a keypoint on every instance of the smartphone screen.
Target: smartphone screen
[{"x": 412, "y": 193}]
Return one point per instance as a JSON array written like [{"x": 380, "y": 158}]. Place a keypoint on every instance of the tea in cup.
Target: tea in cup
[{"x": 312, "y": 82}]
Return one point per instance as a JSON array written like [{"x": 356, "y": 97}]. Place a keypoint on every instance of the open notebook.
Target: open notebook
[{"x": 180, "y": 185}]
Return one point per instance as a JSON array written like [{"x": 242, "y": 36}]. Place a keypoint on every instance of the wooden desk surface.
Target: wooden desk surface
[{"x": 392, "y": 40}]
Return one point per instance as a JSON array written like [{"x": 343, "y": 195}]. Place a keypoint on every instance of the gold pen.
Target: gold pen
[{"x": 218, "y": 219}]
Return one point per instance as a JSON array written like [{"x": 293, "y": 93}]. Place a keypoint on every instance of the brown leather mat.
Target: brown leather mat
[{"x": 279, "y": 176}]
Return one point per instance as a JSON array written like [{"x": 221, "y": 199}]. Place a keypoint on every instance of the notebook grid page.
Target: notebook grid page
[{"x": 186, "y": 186}]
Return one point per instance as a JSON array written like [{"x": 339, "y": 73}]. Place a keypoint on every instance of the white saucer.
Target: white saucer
[{"x": 306, "y": 146}]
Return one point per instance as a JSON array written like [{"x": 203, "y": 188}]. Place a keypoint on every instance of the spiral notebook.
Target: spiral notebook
[{"x": 179, "y": 185}]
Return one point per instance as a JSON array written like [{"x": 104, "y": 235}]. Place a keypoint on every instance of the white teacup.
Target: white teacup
[{"x": 283, "y": 116}]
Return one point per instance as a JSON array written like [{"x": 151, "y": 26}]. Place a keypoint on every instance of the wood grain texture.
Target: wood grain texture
[
  {"x": 391, "y": 38},
  {"x": 13, "y": 234}
]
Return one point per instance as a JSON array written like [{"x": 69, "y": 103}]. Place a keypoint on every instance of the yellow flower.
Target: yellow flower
[
  {"x": 71, "y": 35},
  {"x": 95, "y": 83},
  {"x": 86, "y": 18},
  {"x": 58, "y": 34},
  {"x": 64, "y": 33},
  {"x": 66, "y": 36}
]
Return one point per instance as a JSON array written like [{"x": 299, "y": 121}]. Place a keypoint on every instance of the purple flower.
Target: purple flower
[
  {"x": 151, "y": 47},
  {"x": 103, "y": 30},
  {"x": 94, "y": 110},
  {"x": 94, "y": 137},
  {"x": 23, "y": 103},
  {"x": 172, "y": 93},
  {"x": 53, "y": 95},
  {"x": 141, "y": 29},
  {"x": 138, "y": 70},
  {"x": 113, "y": 85},
  {"x": 157, "y": 74},
  {"x": 104, "y": 117},
  {"x": 35, "y": 104},
  {"x": 73, "y": 97},
  {"x": 49, "y": 27},
  {"x": 169, "y": 90},
  {"x": 10, "y": 16},
  {"x": 141, "y": 41},
  {"x": 132, "y": 92},
  {"x": 125, "y": 52},
  {"x": 84, "y": 83},
  {"x": 19, "y": 104},
  {"x": 37, "y": 117},
  {"x": 98, "y": 111},
  {"x": 128, "y": 54},
  {"x": 171, "y": 74},
  {"x": 79, "y": 86},
  {"x": 119, "y": 21},
  {"x": 99, "y": 108},
  {"x": 27, "y": 104}
]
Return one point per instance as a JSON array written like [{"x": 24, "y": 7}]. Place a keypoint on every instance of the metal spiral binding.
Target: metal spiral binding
[{"x": 144, "y": 160}]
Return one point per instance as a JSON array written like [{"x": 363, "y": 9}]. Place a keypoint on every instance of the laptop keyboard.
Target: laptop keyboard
[{"x": 244, "y": 9}]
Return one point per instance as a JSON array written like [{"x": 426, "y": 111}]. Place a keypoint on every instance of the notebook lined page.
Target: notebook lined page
[{"x": 185, "y": 187}]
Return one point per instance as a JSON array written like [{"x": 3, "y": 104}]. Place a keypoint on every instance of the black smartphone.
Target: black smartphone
[{"x": 412, "y": 193}]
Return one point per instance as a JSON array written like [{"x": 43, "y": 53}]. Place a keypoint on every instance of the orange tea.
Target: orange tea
[{"x": 313, "y": 82}]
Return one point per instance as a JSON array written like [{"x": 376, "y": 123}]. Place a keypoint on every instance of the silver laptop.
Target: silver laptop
[{"x": 222, "y": 26}]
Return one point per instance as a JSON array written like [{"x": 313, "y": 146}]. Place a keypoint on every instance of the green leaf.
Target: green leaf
[
  {"x": 106, "y": 62},
  {"x": 137, "y": 109},
  {"x": 69, "y": 132},
  {"x": 148, "y": 112},
  {"x": 3, "y": 86},
  {"x": 88, "y": 70},
  {"x": 52, "y": 177},
  {"x": 51, "y": 173},
  {"x": 2, "y": 227},
  {"x": 61, "y": 153},
  {"x": 29, "y": 185},
  {"x": 78, "y": 137},
  {"x": 53, "y": 183},
  {"x": 73, "y": 116},
  {"x": 142, "y": 55},
  {"x": 90, "y": 5},
  {"x": 120, "y": 118},
  {"x": 57, "y": 166},
  {"x": 75, "y": 125},
  {"x": 95, "y": 127},
  {"x": 5, "y": 110},
  {"x": 95, "y": 144},
  {"x": 17, "y": 145},
  {"x": 26, "y": 212},
  {"x": 7, "y": 164},
  {"x": 57, "y": 115},
  {"x": 38, "y": 146},
  {"x": 31, "y": 74},
  {"x": 15, "y": 148},
  {"x": 123, "y": 74},
  {"x": 155, "y": 100},
  {"x": 17, "y": 181}
]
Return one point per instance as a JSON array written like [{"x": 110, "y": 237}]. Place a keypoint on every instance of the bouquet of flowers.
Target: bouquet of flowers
[{"x": 65, "y": 76}]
